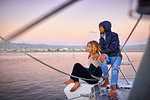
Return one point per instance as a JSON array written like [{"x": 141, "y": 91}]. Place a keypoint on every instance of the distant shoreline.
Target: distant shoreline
[
  {"x": 60, "y": 48},
  {"x": 55, "y": 51}
]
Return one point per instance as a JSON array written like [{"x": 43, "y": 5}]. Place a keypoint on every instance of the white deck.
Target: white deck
[{"x": 85, "y": 88}]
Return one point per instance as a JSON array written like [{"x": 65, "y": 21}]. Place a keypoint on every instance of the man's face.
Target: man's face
[{"x": 101, "y": 29}]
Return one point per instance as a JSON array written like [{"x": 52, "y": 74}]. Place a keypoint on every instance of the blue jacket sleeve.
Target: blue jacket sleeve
[{"x": 108, "y": 48}]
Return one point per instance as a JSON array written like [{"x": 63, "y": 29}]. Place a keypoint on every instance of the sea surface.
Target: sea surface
[{"x": 22, "y": 78}]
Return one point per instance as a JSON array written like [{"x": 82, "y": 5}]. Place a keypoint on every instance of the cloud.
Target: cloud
[{"x": 92, "y": 32}]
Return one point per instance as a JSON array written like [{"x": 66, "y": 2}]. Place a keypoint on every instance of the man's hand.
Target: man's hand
[
  {"x": 95, "y": 56},
  {"x": 102, "y": 58}
]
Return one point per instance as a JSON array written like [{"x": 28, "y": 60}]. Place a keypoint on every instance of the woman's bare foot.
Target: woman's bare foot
[
  {"x": 105, "y": 83},
  {"x": 69, "y": 81},
  {"x": 76, "y": 85}
]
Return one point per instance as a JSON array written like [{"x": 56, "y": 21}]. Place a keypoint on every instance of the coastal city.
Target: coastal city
[
  {"x": 44, "y": 50},
  {"x": 4, "y": 47},
  {"x": 41, "y": 48}
]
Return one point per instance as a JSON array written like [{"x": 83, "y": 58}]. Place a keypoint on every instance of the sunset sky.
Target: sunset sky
[{"x": 75, "y": 25}]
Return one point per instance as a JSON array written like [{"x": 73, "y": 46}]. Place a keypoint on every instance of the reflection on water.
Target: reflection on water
[{"x": 23, "y": 78}]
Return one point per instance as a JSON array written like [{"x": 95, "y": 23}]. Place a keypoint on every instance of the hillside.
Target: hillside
[{"x": 139, "y": 47}]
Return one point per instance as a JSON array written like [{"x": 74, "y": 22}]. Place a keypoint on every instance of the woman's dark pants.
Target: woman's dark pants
[{"x": 80, "y": 71}]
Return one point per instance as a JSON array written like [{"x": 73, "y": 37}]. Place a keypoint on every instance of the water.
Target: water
[{"x": 22, "y": 78}]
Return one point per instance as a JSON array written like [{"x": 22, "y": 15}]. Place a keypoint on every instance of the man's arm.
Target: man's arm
[{"x": 112, "y": 47}]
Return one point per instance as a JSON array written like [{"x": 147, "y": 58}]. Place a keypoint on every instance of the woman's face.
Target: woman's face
[
  {"x": 101, "y": 29},
  {"x": 89, "y": 48}
]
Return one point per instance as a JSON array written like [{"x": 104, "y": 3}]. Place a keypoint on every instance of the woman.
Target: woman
[{"x": 92, "y": 72}]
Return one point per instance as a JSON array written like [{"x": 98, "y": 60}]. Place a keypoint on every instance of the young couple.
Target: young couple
[{"x": 100, "y": 54}]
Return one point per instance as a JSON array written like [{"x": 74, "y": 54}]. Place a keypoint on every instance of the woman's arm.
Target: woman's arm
[{"x": 95, "y": 56}]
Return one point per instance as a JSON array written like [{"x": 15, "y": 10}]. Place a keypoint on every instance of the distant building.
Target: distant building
[
  {"x": 75, "y": 49},
  {"x": 65, "y": 49}
]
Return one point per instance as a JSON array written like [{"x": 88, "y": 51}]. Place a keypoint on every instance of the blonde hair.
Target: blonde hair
[{"x": 95, "y": 47}]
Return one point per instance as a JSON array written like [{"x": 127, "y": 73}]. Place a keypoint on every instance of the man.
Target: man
[{"x": 110, "y": 46}]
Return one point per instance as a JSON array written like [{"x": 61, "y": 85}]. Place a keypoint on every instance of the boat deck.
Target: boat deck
[
  {"x": 122, "y": 93},
  {"x": 82, "y": 93}
]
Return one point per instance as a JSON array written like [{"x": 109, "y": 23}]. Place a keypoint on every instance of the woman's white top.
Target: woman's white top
[{"x": 94, "y": 62}]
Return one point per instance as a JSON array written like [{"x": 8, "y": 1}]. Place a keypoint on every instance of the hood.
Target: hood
[{"x": 106, "y": 25}]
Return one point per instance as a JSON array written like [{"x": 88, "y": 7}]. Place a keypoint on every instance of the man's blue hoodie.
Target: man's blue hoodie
[{"x": 110, "y": 45}]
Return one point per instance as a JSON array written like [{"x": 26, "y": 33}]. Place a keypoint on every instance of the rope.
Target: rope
[
  {"x": 21, "y": 49},
  {"x": 123, "y": 46}
]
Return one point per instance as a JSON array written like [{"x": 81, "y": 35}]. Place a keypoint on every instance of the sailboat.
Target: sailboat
[
  {"x": 136, "y": 89},
  {"x": 95, "y": 92}
]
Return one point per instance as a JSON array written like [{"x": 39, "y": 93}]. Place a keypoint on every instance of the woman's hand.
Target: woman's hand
[
  {"x": 95, "y": 56},
  {"x": 89, "y": 56}
]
